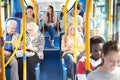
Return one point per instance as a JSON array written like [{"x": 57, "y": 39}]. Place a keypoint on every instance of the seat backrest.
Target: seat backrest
[
  {"x": 18, "y": 20},
  {"x": 18, "y": 14}
]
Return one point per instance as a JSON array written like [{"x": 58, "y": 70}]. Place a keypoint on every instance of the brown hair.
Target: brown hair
[
  {"x": 52, "y": 14},
  {"x": 111, "y": 46}
]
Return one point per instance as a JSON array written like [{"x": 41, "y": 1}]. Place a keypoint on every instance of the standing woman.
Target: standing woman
[
  {"x": 67, "y": 47},
  {"x": 29, "y": 14},
  {"x": 60, "y": 18},
  {"x": 109, "y": 69},
  {"x": 50, "y": 22}
]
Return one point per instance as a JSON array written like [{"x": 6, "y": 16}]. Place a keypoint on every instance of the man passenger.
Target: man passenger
[{"x": 11, "y": 35}]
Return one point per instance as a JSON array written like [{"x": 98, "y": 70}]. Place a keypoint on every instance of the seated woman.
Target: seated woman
[
  {"x": 34, "y": 49},
  {"x": 50, "y": 22},
  {"x": 67, "y": 47}
]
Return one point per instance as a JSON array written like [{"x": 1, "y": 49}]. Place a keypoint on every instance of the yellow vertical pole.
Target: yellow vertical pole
[
  {"x": 8, "y": 8},
  {"x": 94, "y": 6},
  {"x": 94, "y": 17},
  {"x": 65, "y": 11},
  {"x": 109, "y": 18},
  {"x": 35, "y": 11},
  {"x": 1, "y": 48},
  {"x": 24, "y": 39},
  {"x": 75, "y": 19},
  {"x": 87, "y": 33}
]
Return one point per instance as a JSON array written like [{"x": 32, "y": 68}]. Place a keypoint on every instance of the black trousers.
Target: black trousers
[{"x": 31, "y": 64}]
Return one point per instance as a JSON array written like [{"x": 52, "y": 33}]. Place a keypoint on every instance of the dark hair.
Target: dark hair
[
  {"x": 94, "y": 40},
  {"x": 30, "y": 7},
  {"x": 110, "y": 46},
  {"x": 78, "y": 7},
  {"x": 62, "y": 13},
  {"x": 52, "y": 14}
]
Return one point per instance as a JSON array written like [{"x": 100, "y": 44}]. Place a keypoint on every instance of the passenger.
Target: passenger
[
  {"x": 81, "y": 13},
  {"x": 40, "y": 18},
  {"x": 35, "y": 45},
  {"x": 67, "y": 46},
  {"x": 29, "y": 14},
  {"x": 50, "y": 22},
  {"x": 96, "y": 43},
  {"x": 11, "y": 35},
  {"x": 34, "y": 49},
  {"x": 60, "y": 17},
  {"x": 61, "y": 13},
  {"x": 109, "y": 69},
  {"x": 70, "y": 19}
]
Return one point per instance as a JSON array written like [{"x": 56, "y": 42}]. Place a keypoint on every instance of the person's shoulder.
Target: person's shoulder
[
  {"x": 80, "y": 17},
  {"x": 16, "y": 34},
  {"x": 83, "y": 59},
  {"x": 92, "y": 75}
]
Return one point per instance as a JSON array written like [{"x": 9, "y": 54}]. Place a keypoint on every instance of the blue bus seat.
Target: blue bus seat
[{"x": 18, "y": 15}]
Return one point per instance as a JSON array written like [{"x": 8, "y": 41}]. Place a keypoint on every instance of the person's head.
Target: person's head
[
  {"x": 70, "y": 29},
  {"x": 78, "y": 8},
  {"x": 111, "y": 55},
  {"x": 50, "y": 9},
  {"x": 32, "y": 28},
  {"x": 30, "y": 12},
  {"x": 62, "y": 8},
  {"x": 11, "y": 26},
  {"x": 96, "y": 44}
]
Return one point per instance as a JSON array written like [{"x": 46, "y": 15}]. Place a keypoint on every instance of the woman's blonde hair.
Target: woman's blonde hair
[{"x": 33, "y": 26}]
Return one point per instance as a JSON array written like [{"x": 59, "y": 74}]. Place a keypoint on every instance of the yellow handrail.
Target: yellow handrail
[
  {"x": 87, "y": 32},
  {"x": 1, "y": 49},
  {"x": 14, "y": 42},
  {"x": 11, "y": 57},
  {"x": 75, "y": 19},
  {"x": 65, "y": 10},
  {"x": 24, "y": 39},
  {"x": 109, "y": 18},
  {"x": 35, "y": 11},
  {"x": 8, "y": 8}
]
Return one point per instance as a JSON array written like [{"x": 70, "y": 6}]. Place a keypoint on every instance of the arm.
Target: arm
[
  {"x": 7, "y": 53},
  {"x": 81, "y": 70},
  {"x": 55, "y": 19},
  {"x": 40, "y": 43},
  {"x": 46, "y": 20},
  {"x": 63, "y": 44}
]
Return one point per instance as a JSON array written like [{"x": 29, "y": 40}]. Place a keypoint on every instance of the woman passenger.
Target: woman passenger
[
  {"x": 60, "y": 18},
  {"x": 29, "y": 14},
  {"x": 109, "y": 69},
  {"x": 67, "y": 47},
  {"x": 34, "y": 50},
  {"x": 35, "y": 45},
  {"x": 50, "y": 22}
]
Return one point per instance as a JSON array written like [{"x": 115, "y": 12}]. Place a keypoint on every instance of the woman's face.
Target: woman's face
[
  {"x": 29, "y": 12},
  {"x": 111, "y": 61},
  {"x": 62, "y": 9},
  {"x": 71, "y": 30},
  {"x": 49, "y": 10}
]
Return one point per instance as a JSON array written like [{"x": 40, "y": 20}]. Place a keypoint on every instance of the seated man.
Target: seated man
[
  {"x": 96, "y": 43},
  {"x": 10, "y": 35}
]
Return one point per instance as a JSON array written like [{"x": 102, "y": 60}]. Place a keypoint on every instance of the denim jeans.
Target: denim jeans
[
  {"x": 70, "y": 65},
  {"x": 51, "y": 31}
]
